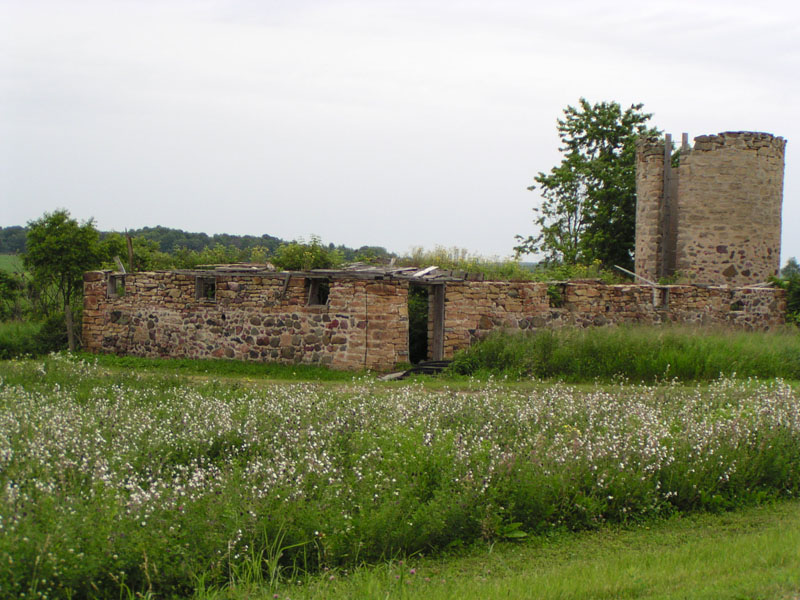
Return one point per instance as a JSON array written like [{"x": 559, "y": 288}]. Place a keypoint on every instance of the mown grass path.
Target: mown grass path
[{"x": 750, "y": 553}]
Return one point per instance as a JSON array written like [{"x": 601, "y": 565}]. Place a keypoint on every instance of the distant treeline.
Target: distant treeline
[
  {"x": 12, "y": 239},
  {"x": 170, "y": 241}
]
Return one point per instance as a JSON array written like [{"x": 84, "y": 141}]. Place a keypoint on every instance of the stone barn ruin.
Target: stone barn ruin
[
  {"x": 359, "y": 319},
  {"x": 714, "y": 219}
]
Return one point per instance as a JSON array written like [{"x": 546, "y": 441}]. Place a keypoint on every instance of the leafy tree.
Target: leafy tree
[
  {"x": 11, "y": 288},
  {"x": 372, "y": 254},
  {"x": 59, "y": 251},
  {"x": 299, "y": 256},
  {"x": 217, "y": 255},
  {"x": 790, "y": 281},
  {"x": 791, "y": 269},
  {"x": 588, "y": 210},
  {"x": 146, "y": 253}
]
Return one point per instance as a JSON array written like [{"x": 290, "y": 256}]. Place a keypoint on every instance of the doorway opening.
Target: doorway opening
[
  {"x": 417, "y": 323},
  {"x": 425, "y": 322}
]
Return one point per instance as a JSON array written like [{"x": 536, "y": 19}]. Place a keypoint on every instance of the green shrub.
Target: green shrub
[
  {"x": 32, "y": 338},
  {"x": 792, "y": 286},
  {"x": 12, "y": 287},
  {"x": 299, "y": 256},
  {"x": 18, "y": 338},
  {"x": 52, "y": 335}
]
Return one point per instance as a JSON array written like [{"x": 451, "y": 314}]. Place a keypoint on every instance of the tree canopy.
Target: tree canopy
[
  {"x": 588, "y": 211},
  {"x": 59, "y": 251}
]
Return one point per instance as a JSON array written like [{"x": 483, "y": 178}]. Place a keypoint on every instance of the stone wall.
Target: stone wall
[
  {"x": 364, "y": 324},
  {"x": 473, "y": 309},
  {"x": 729, "y": 196}
]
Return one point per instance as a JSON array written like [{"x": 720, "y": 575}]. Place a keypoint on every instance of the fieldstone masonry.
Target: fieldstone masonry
[
  {"x": 364, "y": 322},
  {"x": 363, "y": 325},
  {"x": 474, "y": 309},
  {"x": 728, "y": 222}
]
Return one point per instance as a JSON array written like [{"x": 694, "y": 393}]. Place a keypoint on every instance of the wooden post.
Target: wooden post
[
  {"x": 437, "y": 352},
  {"x": 130, "y": 251},
  {"x": 70, "y": 327}
]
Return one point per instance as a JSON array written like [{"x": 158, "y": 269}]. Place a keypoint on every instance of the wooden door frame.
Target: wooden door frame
[{"x": 437, "y": 306}]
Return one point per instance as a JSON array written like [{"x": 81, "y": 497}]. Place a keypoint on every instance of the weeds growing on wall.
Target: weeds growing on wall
[
  {"x": 459, "y": 259},
  {"x": 638, "y": 353}
]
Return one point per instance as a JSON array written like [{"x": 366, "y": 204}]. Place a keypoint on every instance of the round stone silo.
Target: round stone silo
[{"x": 730, "y": 192}]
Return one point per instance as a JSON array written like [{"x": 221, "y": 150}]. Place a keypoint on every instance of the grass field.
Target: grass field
[
  {"x": 10, "y": 262},
  {"x": 749, "y": 553},
  {"x": 118, "y": 480},
  {"x": 224, "y": 369},
  {"x": 636, "y": 353}
]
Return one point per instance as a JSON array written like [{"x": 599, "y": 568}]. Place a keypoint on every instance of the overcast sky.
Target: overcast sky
[{"x": 366, "y": 122}]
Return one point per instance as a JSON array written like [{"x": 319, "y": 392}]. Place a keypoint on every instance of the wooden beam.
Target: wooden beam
[
  {"x": 437, "y": 352},
  {"x": 119, "y": 264}
]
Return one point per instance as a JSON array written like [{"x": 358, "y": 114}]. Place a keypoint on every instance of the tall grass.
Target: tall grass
[
  {"x": 18, "y": 338},
  {"x": 32, "y": 338},
  {"x": 11, "y": 263},
  {"x": 639, "y": 353}
]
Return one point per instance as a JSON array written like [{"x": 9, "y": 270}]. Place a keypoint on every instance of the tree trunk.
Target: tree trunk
[{"x": 70, "y": 327}]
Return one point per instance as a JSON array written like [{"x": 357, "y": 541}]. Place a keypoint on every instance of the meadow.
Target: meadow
[
  {"x": 127, "y": 483},
  {"x": 12, "y": 263}
]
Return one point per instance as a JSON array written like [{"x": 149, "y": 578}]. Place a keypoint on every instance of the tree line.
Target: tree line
[
  {"x": 177, "y": 242},
  {"x": 57, "y": 249}
]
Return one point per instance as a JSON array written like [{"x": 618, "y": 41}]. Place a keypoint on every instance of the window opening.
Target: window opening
[
  {"x": 661, "y": 298},
  {"x": 116, "y": 286},
  {"x": 555, "y": 295},
  {"x": 318, "y": 291},
  {"x": 205, "y": 289}
]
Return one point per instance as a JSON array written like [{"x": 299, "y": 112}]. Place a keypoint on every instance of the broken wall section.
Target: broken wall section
[
  {"x": 363, "y": 324},
  {"x": 473, "y": 309}
]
